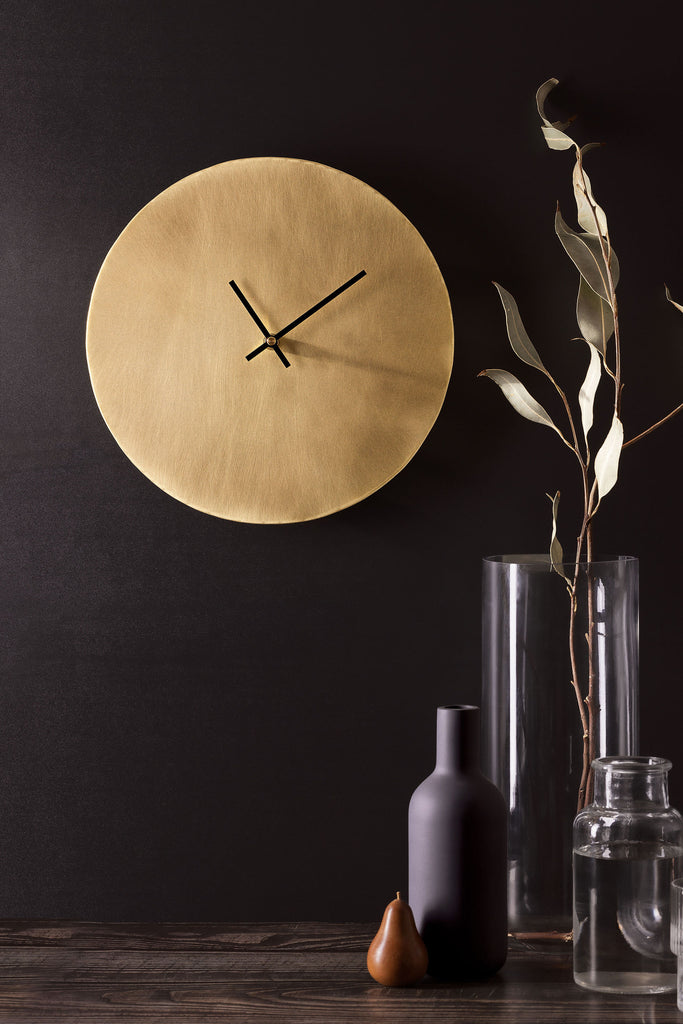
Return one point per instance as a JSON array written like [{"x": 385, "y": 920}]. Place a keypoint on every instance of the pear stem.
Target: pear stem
[{"x": 398, "y": 895}]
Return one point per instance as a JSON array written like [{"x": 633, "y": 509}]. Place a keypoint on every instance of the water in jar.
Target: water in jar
[{"x": 621, "y": 916}]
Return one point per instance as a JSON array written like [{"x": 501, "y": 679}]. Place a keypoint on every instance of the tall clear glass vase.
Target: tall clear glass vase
[{"x": 532, "y": 730}]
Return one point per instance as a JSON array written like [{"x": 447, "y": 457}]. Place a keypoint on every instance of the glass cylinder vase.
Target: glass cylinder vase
[
  {"x": 543, "y": 654},
  {"x": 628, "y": 849}
]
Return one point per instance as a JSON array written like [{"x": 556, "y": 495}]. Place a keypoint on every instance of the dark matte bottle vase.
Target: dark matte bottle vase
[{"x": 457, "y": 851}]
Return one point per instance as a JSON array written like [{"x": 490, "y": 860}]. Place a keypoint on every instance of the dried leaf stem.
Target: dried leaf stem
[
  {"x": 654, "y": 426},
  {"x": 590, "y": 745},
  {"x": 598, "y": 315}
]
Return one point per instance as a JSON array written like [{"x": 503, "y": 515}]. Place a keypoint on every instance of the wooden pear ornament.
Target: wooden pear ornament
[{"x": 397, "y": 955}]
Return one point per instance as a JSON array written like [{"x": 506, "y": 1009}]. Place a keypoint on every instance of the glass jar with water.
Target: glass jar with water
[{"x": 628, "y": 847}]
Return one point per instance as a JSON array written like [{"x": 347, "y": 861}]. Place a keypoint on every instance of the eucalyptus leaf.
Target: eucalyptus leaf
[
  {"x": 556, "y": 552},
  {"x": 607, "y": 459},
  {"x": 542, "y": 94},
  {"x": 519, "y": 339},
  {"x": 594, "y": 317},
  {"x": 668, "y": 295},
  {"x": 552, "y": 130},
  {"x": 585, "y": 201},
  {"x": 588, "y": 390},
  {"x": 556, "y": 139},
  {"x": 586, "y": 253},
  {"x": 519, "y": 398}
]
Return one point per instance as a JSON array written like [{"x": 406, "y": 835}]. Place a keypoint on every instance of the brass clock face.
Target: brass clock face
[{"x": 270, "y": 340}]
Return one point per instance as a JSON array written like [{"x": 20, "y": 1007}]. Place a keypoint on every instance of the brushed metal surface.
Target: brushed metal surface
[{"x": 257, "y": 441}]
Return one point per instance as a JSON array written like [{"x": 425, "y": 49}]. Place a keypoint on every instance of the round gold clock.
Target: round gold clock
[{"x": 270, "y": 340}]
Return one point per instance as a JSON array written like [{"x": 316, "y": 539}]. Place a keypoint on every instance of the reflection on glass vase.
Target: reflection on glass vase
[{"x": 532, "y": 732}]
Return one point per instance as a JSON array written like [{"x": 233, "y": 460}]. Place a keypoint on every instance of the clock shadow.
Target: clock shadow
[{"x": 306, "y": 350}]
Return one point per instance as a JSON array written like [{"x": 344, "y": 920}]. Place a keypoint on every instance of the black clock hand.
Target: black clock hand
[
  {"x": 280, "y": 354},
  {"x": 256, "y": 351},
  {"x": 270, "y": 342},
  {"x": 254, "y": 316},
  {"x": 318, "y": 305}
]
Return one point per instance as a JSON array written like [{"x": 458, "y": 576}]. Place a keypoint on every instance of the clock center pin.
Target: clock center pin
[{"x": 271, "y": 341}]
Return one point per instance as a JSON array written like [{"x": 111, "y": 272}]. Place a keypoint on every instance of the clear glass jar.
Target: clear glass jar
[
  {"x": 677, "y": 933},
  {"x": 628, "y": 847}
]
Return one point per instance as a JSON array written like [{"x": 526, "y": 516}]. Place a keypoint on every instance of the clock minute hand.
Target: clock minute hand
[
  {"x": 256, "y": 351},
  {"x": 245, "y": 302},
  {"x": 319, "y": 305}
]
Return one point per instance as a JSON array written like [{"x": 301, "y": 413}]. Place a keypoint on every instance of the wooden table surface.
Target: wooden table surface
[{"x": 295, "y": 972}]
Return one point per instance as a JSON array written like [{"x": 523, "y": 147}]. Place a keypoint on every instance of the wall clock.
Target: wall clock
[{"x": 270, "y": 340}]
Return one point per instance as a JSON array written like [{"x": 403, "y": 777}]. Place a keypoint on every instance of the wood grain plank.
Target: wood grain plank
[
  {"x": 307, "y": 972},
  {"x": 193, "y": 935},
  {"x": 303, "y": 1001}
]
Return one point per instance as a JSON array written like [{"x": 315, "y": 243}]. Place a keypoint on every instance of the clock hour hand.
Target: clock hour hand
[
  {"x": 270, "y": 341},
  {"x": 280, "y": 354},
  {"x": 319, "y": 305},
  {"x": 245, "y": 302}
]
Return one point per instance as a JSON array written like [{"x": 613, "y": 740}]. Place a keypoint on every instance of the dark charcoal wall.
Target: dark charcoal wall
[{"x": 201, "y": 719}]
